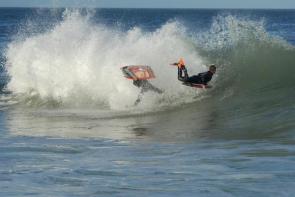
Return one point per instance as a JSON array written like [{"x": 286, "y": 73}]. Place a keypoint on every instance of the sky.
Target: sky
[{"x": 272, "y": 4}]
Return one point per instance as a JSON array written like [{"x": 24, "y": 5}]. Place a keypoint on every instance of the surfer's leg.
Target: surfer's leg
[
  {"x": 155, "y": 89},
  {"x": 180, "y": 77},
  {"x": 138, "y": 100},
  {"x": 142, "y": 91},
  {"x": 148, "y": 86},
  {"x": 137, "y": 83}
]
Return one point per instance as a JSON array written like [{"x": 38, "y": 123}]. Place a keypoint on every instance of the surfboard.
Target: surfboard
[
  {"x": 196, "y": 85},
  {"x": 138, "y": 72}
]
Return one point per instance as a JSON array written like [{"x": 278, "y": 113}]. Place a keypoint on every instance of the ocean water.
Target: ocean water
[{"x": 69, "y": 127}]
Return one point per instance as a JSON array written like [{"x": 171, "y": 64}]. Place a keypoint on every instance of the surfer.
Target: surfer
[
  {"x": 145, "y": 86},
  {"x": 140, "y": 75},
  {"x": 201, "y": 78}
]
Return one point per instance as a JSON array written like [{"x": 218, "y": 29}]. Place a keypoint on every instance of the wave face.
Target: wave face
[
  {"x": 252, "y": 59},
  {"x": 254, "y": 91},
  {"x": 76, "y": 63}
]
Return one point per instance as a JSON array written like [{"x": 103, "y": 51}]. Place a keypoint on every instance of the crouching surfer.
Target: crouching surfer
[{"x": 200, "y": 81}]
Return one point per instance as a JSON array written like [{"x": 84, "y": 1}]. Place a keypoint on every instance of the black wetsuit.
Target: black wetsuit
[{"x": 201, "y": 78}]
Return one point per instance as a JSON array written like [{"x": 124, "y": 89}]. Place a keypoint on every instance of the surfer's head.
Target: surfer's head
[{"x": 212, "y": 68}]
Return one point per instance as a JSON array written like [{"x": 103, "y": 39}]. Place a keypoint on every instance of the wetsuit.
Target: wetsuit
[
  {"x": 145, "y": 86},
  {"x": 201, "y": 78}
]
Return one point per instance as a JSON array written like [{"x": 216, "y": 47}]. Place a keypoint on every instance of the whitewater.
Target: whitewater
[{"x": 78, "y": 63}]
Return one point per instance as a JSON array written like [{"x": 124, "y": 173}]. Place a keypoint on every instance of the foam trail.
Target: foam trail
[{"x": 77, "y": 64}]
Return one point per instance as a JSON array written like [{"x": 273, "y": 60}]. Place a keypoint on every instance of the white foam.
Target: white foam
[{"x": 77, "y": 63}]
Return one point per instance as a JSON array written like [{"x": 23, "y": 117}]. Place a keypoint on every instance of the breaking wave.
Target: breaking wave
[{"x": 77, "y": 63}]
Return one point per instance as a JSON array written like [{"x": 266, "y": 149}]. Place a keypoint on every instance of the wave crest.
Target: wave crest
[{"x": 77, "y": 63}]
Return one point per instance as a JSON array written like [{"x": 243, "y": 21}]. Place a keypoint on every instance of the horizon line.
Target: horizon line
[{"x": 201, "y": 8}]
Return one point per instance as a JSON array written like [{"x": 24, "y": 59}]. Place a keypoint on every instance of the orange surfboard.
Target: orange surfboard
[{"x": 138, "y": 72}]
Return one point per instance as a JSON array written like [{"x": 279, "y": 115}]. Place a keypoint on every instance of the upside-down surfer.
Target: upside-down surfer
[
  {"x": 145, "y": 86},
  {"x": 200, "y": 80},
  {"x": 140, "y": 76}
]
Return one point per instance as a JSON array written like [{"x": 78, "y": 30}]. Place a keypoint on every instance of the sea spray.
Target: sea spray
[{"x": 77, "y": 63}]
